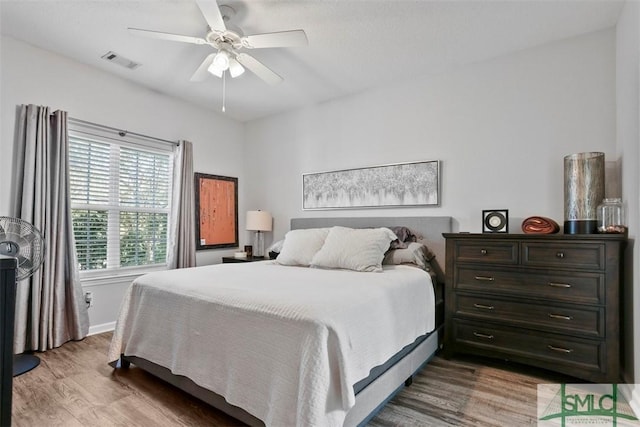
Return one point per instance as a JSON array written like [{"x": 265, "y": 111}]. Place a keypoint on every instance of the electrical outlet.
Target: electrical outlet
[{"x": 88, "y": 298}]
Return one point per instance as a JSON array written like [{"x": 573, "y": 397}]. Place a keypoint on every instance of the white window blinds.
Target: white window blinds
[{"x": 120, "y": 200}]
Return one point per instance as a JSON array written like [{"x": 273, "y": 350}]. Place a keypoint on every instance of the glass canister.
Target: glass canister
[
  {"x": 610, "y": 215},
  {"x": 583, "y": 190}
]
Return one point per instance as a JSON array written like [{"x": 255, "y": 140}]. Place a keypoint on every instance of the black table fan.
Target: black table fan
[{"x": 23, "y": 241}]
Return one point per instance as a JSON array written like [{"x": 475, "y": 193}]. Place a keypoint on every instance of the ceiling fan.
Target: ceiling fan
[{"x": 229, "y": 43}]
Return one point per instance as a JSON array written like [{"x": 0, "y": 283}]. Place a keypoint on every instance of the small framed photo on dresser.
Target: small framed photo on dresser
[{"x": 495, "y": 221}]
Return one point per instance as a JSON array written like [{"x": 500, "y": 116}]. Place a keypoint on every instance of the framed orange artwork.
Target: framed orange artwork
[{"x": 216, "y": 211}]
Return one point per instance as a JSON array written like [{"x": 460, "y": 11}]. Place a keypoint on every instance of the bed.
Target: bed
[{"x": 288, "y": 345}]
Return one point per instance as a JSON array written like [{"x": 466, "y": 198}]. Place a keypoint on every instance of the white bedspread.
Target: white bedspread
[{"x": 284, "y": 343}]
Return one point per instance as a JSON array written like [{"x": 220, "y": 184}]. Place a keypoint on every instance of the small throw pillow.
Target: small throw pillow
[
  {"x": 405, "y": 236},
  {"x": 414, "y": 253},
  {"x": 300, "y": 246},
  {"x": 354, "y": 249}
]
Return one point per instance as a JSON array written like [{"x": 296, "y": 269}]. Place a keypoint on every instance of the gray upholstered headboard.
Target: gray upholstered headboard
[{"x": 430, "y": 227}]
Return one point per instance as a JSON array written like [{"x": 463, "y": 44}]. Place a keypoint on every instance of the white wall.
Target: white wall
[
  {"x": 34, "y": 76},
  {"x": 628, "y": 139},
  {"x": 501, "y": 129}
]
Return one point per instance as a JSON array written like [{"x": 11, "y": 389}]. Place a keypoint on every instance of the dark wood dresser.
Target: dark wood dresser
[{"x": 551, "y": 301}]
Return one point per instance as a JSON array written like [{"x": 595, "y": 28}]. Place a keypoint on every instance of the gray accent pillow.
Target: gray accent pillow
[
  {"x": 405, "y": 236},
  {"x": 415, "y": 253}
]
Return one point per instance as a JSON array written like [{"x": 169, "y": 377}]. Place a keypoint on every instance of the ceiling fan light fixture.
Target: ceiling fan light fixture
[
  {"x": 215, "y": 70},
  {"x": 221, "y": 60},
  {"x": 235, "y": 69},
  {"x": 228, "y": 40}
]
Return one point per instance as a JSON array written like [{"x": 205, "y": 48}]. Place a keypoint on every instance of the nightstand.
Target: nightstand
[{"x": 230, "y": 259}]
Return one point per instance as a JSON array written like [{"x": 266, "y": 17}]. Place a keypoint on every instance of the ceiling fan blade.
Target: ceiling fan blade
[
  {"x": 279, "y": 39},
  {"x": 202, "y": 73},
  {"x": 212, "y": 15},
  {"x": 167, "y": 36},
  {"x": 259, "y": 69}
]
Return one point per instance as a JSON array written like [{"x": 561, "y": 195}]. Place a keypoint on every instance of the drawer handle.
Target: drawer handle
[
  {"x": 485, "y": 278},
  {"x": 483, "y": 251},
  {"x": 560, "y": 316},
  {"x": 479, "y": 335},
  {"x": 560, "y": 349},
  {"x": 560, "y": 255},
  {"x": 484, "y": 307},
  {"x": 559, "y": 285}
]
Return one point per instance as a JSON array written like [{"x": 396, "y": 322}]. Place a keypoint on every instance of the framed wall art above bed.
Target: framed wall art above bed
[
  {"x": 401, "y": 184},
  {"x": 216, "y": 211}
]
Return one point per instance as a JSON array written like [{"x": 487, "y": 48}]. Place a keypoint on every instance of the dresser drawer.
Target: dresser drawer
[
  {"x": 566, "y": 255},
  {"x": 487, "y": 252},
  {"x": 588, "y": 321},
  {"x": 577, "y": 287},
  {"x": 527, "y": 345}
]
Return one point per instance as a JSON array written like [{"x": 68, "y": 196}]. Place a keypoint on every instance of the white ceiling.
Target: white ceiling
[{"x": 353, "y": 44}]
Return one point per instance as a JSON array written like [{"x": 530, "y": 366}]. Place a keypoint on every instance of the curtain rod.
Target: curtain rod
[{"x": 121, "y": 132}]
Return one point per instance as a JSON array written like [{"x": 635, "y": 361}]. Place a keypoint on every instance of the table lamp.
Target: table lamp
[{"x": 259, "y": 221}]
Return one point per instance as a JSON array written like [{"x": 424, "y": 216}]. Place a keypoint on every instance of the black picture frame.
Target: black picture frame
[
  {"x": 216, "y": 199},
  {"x": 495, "y": 221}
]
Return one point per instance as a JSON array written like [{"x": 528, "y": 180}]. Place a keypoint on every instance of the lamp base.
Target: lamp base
[
  {"x": 589, "y": 226},
  {"x": 258, "y": 245}
]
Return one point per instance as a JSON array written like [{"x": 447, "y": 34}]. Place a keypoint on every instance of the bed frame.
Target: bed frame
[{"x": 386, "y": 385}]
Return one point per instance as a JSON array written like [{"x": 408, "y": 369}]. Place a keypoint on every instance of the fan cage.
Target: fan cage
[{"x": 22, "y": 240}]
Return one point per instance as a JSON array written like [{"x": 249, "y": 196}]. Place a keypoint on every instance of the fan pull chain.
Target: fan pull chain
[{"x": 224, "y": 90}]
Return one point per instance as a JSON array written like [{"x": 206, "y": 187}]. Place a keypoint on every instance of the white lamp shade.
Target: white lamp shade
[
  {"x": 215, "y": 70},
  {"x": 235, "y": 69},
  {"x": 259, "y": 221},
  {"x": 221, "y": 60}
]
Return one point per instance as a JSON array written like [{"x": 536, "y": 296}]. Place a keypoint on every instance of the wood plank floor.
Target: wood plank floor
[{"x": 74, "y": 386}]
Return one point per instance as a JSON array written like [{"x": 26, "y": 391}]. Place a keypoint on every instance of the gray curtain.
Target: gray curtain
[
  {"x": 50, "y": 308},
  {"x": 182, "y": 240}
]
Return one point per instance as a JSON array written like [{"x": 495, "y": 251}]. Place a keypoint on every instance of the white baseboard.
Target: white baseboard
[
  {"x": 634, "y": 402},
  {"x": 631, "y": 393},
  {"x": 98, "y": 329}
]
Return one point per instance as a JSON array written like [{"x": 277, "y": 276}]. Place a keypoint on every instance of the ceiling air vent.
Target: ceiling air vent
[{"x": 120, "y": 60}]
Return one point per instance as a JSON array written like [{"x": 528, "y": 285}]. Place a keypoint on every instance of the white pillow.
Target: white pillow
[
  {"x": 300, "y": 246},
  {"x": 354, "y": 249},
  {"x": 276, "y": 246}
]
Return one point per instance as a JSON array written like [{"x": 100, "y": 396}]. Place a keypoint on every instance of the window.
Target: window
[{"x": 120, "y": 199}]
